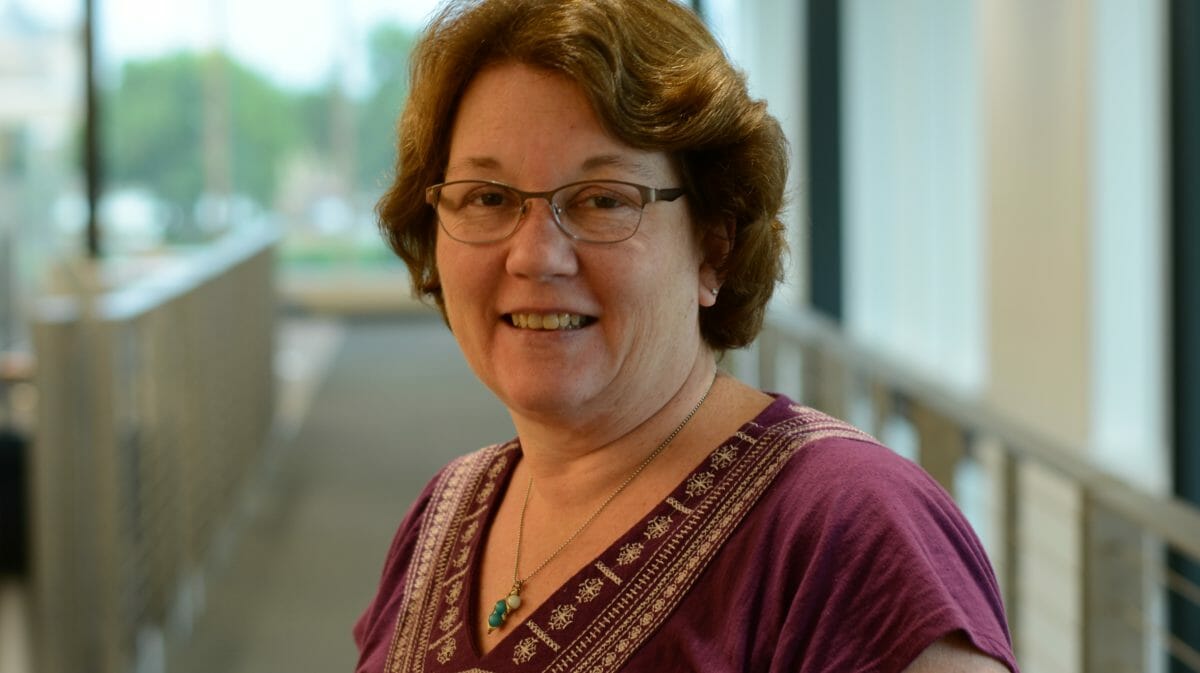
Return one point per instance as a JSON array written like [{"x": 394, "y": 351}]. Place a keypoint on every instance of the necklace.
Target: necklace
[{"x": 505, "y": 606}]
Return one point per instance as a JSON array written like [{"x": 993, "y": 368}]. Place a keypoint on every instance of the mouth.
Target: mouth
[{"x": 548, "y": 321}]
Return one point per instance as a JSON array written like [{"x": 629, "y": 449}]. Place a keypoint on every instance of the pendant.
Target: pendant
[{"x": 504, "y": 607}]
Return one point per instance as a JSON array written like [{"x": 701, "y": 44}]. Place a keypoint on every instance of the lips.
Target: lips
[{"x": 548, "y": 321}]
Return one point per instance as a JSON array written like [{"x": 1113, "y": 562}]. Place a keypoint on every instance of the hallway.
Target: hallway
[{"x": 396, "y": 403}]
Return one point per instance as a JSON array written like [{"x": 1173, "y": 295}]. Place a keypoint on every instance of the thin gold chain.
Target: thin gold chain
[{"x": 517, "y": 583}]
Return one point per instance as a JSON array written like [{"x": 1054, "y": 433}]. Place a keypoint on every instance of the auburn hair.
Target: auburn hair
[{"x": 658, "y": 81}]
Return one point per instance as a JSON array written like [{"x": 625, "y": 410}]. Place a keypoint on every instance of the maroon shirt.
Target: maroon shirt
[{"x": 799, "y": 545}]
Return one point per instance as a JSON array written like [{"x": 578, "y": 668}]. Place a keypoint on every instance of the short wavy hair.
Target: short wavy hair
[{"x": 658, "y": 81}]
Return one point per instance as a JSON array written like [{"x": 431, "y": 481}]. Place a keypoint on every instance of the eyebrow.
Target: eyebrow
[
  {"x": 618, "y": 161},
  {"x": 589, "y": 164},
  {"x": 474, "y": 162}
]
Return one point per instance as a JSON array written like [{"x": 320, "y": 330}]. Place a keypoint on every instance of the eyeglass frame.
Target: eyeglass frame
[{"x": 649, "y": 195}]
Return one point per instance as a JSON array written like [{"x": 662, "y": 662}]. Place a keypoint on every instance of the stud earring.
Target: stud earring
[{"x": 714, "y": 291}]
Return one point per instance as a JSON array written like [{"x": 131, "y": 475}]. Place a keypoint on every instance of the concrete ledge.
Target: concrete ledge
[{"x": 348, "y": 291}]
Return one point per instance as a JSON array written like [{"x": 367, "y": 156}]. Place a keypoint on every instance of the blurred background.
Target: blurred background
[{"x": 218, "y": 397}]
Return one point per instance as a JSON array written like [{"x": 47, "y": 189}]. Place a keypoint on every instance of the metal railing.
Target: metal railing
[
  {"x": 154, "y": 405},
  {"x": 1082, "y": 557}
]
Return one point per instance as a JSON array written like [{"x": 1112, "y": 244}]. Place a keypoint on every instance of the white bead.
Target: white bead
[{"x": 514, "y": 601}]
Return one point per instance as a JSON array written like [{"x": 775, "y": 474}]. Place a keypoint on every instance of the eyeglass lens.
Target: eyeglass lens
[{"x": 590, "y": 211}]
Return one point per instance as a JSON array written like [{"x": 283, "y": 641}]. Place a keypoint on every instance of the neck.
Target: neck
[{"x": 577, "y": 463}]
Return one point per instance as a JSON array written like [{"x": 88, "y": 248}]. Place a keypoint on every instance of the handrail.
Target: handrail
[
  {"x": 172, "y": 280},
  {"x": 155, "y": 400},
  {"x": 1174, "y": 521}
]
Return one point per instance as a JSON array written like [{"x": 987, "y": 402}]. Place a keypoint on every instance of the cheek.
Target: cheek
[
  {"x": 449, "y": 267},
  {"x": 449, "y": 281}
]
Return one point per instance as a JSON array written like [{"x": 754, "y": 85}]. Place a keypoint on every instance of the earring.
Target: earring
[{"x": 714, "y": 291}]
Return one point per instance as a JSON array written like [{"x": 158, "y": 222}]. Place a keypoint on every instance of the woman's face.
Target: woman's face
[{"x": 637, "y": 300}]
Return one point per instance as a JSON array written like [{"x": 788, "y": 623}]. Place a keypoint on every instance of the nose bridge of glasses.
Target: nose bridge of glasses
[{"x": 556, "y": 211}]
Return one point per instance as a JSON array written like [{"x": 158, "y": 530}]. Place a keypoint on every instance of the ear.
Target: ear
[{"x": 715, "y": 247}]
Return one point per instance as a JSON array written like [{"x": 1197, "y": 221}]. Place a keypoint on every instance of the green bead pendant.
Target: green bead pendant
[{"x": 504, "y": 607}]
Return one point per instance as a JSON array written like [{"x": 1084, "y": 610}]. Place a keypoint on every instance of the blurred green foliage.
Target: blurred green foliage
[{"x": 165, "y": 119}]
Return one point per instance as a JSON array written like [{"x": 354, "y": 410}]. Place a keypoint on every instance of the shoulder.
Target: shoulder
[
  {"x": 843, "y": 490},
  {"x": 875, "y": 541},
  {"x": 830, "y": 463}
]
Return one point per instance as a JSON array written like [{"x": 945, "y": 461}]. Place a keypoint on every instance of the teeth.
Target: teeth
[{"x": 547, "y": 321}]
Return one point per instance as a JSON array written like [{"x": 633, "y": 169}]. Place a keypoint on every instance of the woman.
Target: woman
[{"x": 590, "y": 197}]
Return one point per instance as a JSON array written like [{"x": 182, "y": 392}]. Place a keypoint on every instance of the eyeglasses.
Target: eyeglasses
[{"x": 596, "y": 211}]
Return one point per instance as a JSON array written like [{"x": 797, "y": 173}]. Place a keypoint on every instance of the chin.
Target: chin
[{"x": 545, "y": 399}]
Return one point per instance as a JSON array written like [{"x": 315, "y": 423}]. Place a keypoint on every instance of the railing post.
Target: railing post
[
  {"x": 1010, "y": 503},
  {"x": 943, "y": 444},
  {"x": 824, "y": 381},
  {"x": 1115, "y": 621}
]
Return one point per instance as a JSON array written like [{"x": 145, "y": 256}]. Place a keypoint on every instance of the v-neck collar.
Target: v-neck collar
[
  {"x": 560, "y": 618},
  {"x": 607, "y": 610}
]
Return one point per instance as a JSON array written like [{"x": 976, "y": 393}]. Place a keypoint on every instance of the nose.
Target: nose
[{"x": 539, "y": 249}]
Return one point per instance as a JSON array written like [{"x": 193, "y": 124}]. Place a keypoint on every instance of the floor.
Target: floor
[
  {"x": 372, "y": 409},
  {"x": 397, "y": 403}
]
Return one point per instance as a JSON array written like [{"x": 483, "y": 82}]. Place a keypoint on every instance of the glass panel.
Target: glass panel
[
  {"x": 914, "y": 185},
  {"x": 229, "y": 114},
  {"x": 40, "y": 115}
]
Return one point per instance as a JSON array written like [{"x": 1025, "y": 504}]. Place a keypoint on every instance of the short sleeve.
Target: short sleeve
[{"x": 890, "y": 565}]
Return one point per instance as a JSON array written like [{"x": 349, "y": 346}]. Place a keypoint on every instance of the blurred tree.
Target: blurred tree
[
  {"x": 389, "y": 46},
  {"x": 155, "y": 127},
  {"x": 153, "y": 131}
]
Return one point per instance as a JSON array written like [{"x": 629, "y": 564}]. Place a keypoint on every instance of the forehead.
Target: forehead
[{"x": 518, "y": 119}]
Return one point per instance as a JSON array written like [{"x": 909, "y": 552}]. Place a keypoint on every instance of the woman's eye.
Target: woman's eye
[
  {"x": 491, "y": 199},
  {"x": 601, "y": 200},
  {"x": 605, "y": 202}
]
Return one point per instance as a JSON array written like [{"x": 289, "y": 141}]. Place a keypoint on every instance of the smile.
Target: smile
[{"x": 548, "y": 321}]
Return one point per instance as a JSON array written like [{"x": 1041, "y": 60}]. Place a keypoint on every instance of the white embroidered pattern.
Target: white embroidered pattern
[
  {"x": 469, "y": 531},
  {"x": 446, "y": 651},
  {"x": 658, "y": 527},
  {"x": 562, "y": 616},
  {"x": 699, "y": 483},
  {"x": 542, "y": 635},
  {"x": 723, "y": 457},
  {"x": 525, "y": 650},
  {"x": 497, "y": 468},
  {"x": 589, "y": 589},
  {"x": 629, "y": 553},
  {"x": 679, "y": 506},
  {"x": 607, "y": 572},
  {"x": 454, "y": 591},
  {"x": 461, "y": 559},
  {"x": 450, "y": 618},
  {"x": 485, "y": 492}
]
